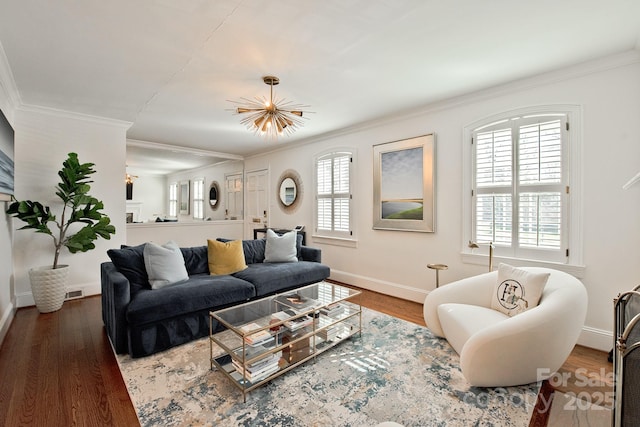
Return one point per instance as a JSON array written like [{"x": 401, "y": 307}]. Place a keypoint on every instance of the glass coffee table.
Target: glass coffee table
[{"x": 267, "y": 337}]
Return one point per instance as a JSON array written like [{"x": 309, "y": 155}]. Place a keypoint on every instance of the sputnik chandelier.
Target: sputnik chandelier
[{"x": 270, "y": 117}]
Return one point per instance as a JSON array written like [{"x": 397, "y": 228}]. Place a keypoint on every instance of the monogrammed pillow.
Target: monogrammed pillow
[{"x": 517, "y": 290}]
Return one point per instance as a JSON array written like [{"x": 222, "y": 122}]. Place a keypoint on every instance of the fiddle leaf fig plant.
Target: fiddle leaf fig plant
[{"x": 78, "y": 208}]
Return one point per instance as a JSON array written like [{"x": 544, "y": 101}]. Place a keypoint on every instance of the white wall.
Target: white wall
[
  {"x": 149, "y": 196},
  {"x": 43, "y": 140},
  {"x": 394, "y": 263}
]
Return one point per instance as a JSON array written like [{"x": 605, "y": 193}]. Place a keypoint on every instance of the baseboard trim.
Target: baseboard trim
[
  {"x": 382, "y": 286},
  {"x": 596, "y": 338},
  {"x": 6, "y": 321},
  {"x": 25, "y": 299},
  {"x": 589, "y": 337}
]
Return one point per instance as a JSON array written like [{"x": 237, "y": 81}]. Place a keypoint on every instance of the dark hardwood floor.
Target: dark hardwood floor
[{"x": 58, "y": 369}]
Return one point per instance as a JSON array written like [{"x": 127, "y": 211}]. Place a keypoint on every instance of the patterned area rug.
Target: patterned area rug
[{"x": 396, "y": 371}]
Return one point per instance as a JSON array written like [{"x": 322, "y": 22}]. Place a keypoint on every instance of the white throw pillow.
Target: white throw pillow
[
  {"x": 281, "y": 248},
  {"x": 164, "y": 264},
  {"x": 517, "y": 290}
]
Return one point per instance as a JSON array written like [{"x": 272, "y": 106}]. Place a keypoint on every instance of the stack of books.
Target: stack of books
[
  {"x": 260, "y": 369},
  {"x": 258, "y": 338},
  {"x": 292, "y": 324},
  {"x": 332, "y": 310},
  {"x": 297, "y": 302},
  {"x": 330, "y": 333}
]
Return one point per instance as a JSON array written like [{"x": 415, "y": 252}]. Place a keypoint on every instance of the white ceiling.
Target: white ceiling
[{"x": 170, "y": 66}]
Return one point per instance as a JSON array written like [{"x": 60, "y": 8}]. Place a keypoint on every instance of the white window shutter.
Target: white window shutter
[{"x": 518, "y": 185}]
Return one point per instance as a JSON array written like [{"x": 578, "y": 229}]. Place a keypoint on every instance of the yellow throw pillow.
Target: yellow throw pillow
[{"x": 225, "y": 257}]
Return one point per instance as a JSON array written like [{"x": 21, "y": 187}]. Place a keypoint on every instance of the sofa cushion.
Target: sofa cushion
[
  {"x": 269, "y": 278},
  {"x": 129, "y": 260},
  {"x": 164, "y": 264},
  {"x": 253, "y": 249},
  {"x": 461, "y": 321},
  {"x": 517, "y": 290},
  {"x": 225, "y": 257},
  {"x": 281, "y": 248},
  {"x": 196, "y": 259},
  {"x": 200, "y": 292}
]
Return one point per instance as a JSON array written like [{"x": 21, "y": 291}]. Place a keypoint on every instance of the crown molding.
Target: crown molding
[
  {"x": 8, "y": 85},
  {"x": 9, "y": 88},
  {"x": 180, "y": 149},
  {"x": 74, "y": 116}
]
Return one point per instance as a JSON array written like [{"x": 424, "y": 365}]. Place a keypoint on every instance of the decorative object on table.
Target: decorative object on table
[
  {"x": 404, "y": 185},
  {"x": 289, "y": 191},
  {"x": 437, "y": 268},
  {"x": 48, "y": 284},
  {"x": 271, "y": 117}
]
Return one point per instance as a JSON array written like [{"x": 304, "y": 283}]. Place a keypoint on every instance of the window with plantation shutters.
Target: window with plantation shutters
[
  {"x": 198, "y": 198},
  {"x": 173, "y": 199},
  {"x": 520, "y": 186},
  {"x": 333, "y": 194}
]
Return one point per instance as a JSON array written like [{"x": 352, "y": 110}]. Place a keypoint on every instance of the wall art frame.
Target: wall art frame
[
  {"x": 7, "y": 168},
  {"x": 404, "y": 185}
]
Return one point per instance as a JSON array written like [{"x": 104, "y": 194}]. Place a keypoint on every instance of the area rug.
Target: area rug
[{"x": 395, "y": 371}]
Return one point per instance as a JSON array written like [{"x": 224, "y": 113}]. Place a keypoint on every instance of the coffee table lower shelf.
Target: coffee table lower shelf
[{"x": 223, "y": 364}]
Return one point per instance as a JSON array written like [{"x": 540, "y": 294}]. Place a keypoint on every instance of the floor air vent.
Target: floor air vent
[{"x": 73, "y": 294}]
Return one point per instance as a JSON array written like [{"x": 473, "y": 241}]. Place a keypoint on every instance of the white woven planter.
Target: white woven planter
[{"x": 49, "y": 287}]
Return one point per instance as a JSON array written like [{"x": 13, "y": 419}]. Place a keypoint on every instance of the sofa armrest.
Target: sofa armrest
[
  {"x": 116, "y": 295},
  {"x": 311, "y": 254}
]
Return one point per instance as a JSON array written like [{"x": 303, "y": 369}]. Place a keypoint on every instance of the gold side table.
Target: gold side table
[{"x": 437, "y": 268}]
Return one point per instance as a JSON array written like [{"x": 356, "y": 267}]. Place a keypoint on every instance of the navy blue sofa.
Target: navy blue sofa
[{"x": 141, "y": 321}]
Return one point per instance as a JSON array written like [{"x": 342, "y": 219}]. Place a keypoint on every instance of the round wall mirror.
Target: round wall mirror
[
  {"x": 289, "y": 190},
  {"x": 214, "y": 195}
]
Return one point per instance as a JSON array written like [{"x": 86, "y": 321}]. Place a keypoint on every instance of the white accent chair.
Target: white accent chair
[{"x": 497, "y": 350}]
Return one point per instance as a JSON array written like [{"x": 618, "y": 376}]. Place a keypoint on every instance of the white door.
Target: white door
[
  {"x": 257, "y": 193},
  {"x": 233, "y": 188}
]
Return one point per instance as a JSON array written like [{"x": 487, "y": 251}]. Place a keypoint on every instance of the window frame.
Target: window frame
[
  {"x": 572, "y": 171},
  {"x": 198, "y": 198},
  {"x": 335, "y": 236},
  {"x": 173, "y": 202}
]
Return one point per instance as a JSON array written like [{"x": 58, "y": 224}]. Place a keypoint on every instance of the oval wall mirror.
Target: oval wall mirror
[
  {"x": 214, "y": 195},
  {"x": 289, "y": 190}
]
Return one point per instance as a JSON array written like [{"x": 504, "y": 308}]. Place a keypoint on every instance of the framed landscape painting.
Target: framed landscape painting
[
  {"x": 6, "y": 159},
  {"x": 404, "y": 185}
]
